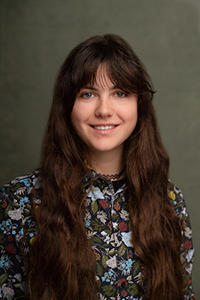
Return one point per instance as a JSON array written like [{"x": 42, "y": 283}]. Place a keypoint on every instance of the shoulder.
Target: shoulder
[
  {"x": 19, "y": 189},
  {"x": 15, "y": 223},
  {"x": 187, "y": 250},
  {"x": 20, "y": 184},
  {"x": 177, "y": 199},
  {"x": 180, "y": 209},
  {"x": 15, "y": 203}
]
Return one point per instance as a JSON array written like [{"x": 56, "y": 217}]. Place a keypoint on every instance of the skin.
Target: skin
[{"x": 104, "y": 104}]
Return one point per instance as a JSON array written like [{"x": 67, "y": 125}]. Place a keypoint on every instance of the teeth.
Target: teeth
[{"x": 104, "y": 127}]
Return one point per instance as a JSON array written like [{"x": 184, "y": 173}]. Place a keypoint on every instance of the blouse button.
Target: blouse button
[{"x": 123, "y": 285}]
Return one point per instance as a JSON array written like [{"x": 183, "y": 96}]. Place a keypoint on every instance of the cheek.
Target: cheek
[
  {"x": 76, "y": 124},
  {"x": 131, "y": 114},
  {"x": 79, "y": 118},
  {"x": 75, "y": 119},
  {"x": 80, "y": 112},
  {"x": 132, "y": 118},
  {"x": 77, "y": 113}
]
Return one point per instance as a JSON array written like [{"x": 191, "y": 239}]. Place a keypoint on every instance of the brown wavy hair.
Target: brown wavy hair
[{"x": 62, "y": 263}]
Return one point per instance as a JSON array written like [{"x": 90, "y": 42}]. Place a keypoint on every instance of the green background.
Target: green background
[{"x": 37, "y": 35}]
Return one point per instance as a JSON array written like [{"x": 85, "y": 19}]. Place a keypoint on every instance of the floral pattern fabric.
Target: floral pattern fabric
[{"x": 118, "y": 268}]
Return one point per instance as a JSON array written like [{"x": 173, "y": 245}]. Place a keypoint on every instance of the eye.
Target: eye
[
  {"x": 88, "y": 95},
  {"x": 120, "y": 94}
]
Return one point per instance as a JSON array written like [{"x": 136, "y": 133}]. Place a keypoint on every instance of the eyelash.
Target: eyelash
[
  {"x": 84, "y": 95},
  {"x": 92, "y": 95},
  {"x": 123, "y": 93}
]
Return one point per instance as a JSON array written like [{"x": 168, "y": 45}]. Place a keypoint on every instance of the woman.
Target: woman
[{"x": 99, "y": 219}]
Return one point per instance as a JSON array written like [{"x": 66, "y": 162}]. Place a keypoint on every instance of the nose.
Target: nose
[{"x": 104, "y": 107}]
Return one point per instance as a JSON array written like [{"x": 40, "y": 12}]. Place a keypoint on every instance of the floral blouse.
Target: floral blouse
[{"x": 118, "y": 268}]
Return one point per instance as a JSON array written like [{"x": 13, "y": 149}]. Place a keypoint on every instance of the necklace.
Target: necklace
[
  {"x": 112, "y": 176},
  {"x": 108, "y": 177}
]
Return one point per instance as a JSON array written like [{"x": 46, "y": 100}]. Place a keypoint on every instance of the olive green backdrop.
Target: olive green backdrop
[{"x": 37, "y": 35}]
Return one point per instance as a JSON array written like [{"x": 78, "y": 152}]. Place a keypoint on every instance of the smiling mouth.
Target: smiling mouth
[{"x": 104, "y": 127}]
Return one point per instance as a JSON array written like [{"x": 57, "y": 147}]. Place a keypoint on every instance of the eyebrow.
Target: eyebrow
[
  {"x": 94, "y": 89},
  {"x": 88, "y": 87}
]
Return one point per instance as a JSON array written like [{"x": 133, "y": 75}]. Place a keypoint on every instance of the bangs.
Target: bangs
[
  {"x": 119, "y": 74},
  {"x": 108, "y": 55}
]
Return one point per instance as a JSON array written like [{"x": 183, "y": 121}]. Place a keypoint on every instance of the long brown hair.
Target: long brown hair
[{"x": 62, "y": 263}]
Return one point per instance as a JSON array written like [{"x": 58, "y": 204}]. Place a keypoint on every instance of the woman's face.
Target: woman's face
[{"x": 104, "y": 116}]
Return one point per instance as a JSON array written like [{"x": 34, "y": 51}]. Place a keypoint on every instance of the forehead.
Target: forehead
[{"x": 102, "y": 77}]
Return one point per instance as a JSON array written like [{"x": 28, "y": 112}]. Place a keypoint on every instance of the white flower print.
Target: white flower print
[
  {"x": 95, "y": 194},
  {"x": 112, "y": 262},
  {"x": 127, "y": 238},
  {"x": 124, "y": 215},
  {"x": 106, "y": 237},
  {"x": 90, "y": 234},
  {"x": 115, "y": 224},
  {"x": 101, "y": 215},
  {"x": 188, "y": 232},
  {"x": 190, "y": 254},
  {"x": 15, "y": 214},
  {"x": 8, "y": 292}
]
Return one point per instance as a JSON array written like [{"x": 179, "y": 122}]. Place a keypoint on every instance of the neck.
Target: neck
[{"x": 106, "y": 163}]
